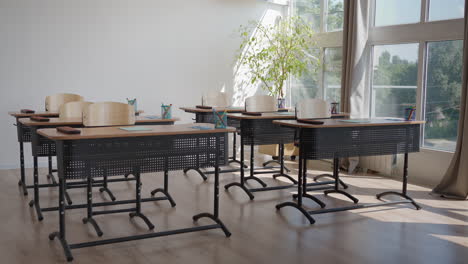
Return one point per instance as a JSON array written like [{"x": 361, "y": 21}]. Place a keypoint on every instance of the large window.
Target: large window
[
  {"x": 326, "y": 17},
  {"x": 417, "y": 62},
  {"x": 443, "y": 91},
  {"x": 333, "y": 61},
  {"x": 395, "y": 78}
]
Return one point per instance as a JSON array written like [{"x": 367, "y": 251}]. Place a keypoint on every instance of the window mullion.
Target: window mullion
[
  {"x": 424, "y": 10},
  {"x": 323, "y": 8},
  {"x": 421, "y": 90}
]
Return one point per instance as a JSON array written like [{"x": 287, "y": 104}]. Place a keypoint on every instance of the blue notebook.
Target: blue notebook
[
  {"x": 202, "y": 127},
  {"x": 136, "y": 128}
]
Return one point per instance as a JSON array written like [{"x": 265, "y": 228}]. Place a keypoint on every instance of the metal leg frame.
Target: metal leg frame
[
  {"x": 22, "y": 181},
  {"x": 35, "y": 202},
  {"x": 252, "y": 168},
  {"x": 282, "y": 167},
  {"x": 106, "y": 189},
  {"x": 300, "y": 185},
  {"x": 138, "y": 212},
  {"x": 407, "y": 200},
  {"x": 234, "y": 159},
  {"x": 336, "y": 175},
  {"x": 250, "y": 191},
  {"x": 89, "y": 196},
  {"x": 165, "y": 191},
  {"x": 51, "y": 175},
  {"x": 266, "y": 163},
  {"x": 61, "y": 234},
  {"x": 404, "y": 188}
]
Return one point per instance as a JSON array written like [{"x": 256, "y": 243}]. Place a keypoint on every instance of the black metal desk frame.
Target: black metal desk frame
[
  {"x": 343, "y": 142},
  {"x": 89, "y": 158},
  {"x": 43, "y": 147},
  {"x": 24, "y": 136},
  {"x": 264, "y": 132}
]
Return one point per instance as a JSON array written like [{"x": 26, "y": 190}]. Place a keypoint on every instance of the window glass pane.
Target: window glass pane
[
  {"x": 443, "y": 92},
  {"x": 446, "y": 9},
  {"x": 394, "y": 12},
  {"x": 332, "y": 74},
  {"x": 310, "y": 11},
  {"x": 394, "y": 79},
  {"x": 335, "y": 15},
  {"x": 308, "y": 85}
]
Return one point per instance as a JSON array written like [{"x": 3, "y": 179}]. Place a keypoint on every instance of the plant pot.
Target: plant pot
[{"x": 281, "y": 103}]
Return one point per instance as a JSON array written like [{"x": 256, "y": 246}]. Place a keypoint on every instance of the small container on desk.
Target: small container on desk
[
  {"x": 220, "y": 118},
  {"x": 334, "y": 108},
  {"x": 166, "y": 111},
  {"x": 410, "y": 113},
  {"x": 133, "y": 102}
]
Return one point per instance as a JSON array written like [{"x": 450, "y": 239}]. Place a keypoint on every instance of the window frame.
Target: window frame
[{"x": 423, "y": 32}]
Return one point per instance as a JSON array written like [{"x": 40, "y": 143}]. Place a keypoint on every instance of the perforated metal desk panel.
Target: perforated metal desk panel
[
  {"x": 24, "y": 133},
  {"x": 174, "y": 147},
  {"x": 43, "y": 147},
  {"x": 338, "y": 139}
]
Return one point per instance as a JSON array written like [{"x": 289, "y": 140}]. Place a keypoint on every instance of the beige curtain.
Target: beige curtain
[
  {"x": 455, "y": 182},
  {"x": 356, "y": 58}
]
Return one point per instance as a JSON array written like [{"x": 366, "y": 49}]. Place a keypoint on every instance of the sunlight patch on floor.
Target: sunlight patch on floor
[{"x": 459, "y": 240}]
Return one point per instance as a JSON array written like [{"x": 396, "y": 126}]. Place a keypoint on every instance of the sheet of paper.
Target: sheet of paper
[{"x": 152, "y": 117}]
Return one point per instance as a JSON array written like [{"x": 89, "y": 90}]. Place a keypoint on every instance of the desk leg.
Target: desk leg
[
  {"x": 105, "y": 187},
  {"x": 35, "y": 202},
  {"x": 304, "y": 187},
  {"x": 202, "y": 174},
  {"x": 252, "y": 168},
  {"x": 165, "y": 191},
  {"x": 22, "y": 181},
  {"x": 242, "y": 172},
  {"x": 300, "y": 192},
  {"x": 61, "y": 234},
  {"x": 234, "y": 151},
  {"x": 89, "y": 196},
  {"x": 282, "y": 167},
  {"x": 215, "y": 215},
  {"x": 138, "y": 212},
  {"x": 336, "y": 175},
  {"x": 50, "y": 175},
  {"x": 326, "y": 175},
  {"x": 404, "y": 187}
]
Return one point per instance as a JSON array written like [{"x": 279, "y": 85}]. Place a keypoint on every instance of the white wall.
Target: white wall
[{"x": 106, "y": 50}]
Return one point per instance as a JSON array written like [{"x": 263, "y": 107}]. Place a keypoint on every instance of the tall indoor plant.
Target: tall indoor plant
[{"x": 273, "y": 53}]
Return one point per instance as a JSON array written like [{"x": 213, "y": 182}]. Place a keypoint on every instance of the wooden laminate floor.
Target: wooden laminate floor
[{"x": 436, "y": 234}]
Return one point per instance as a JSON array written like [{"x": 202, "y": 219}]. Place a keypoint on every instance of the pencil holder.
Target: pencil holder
[
  {"x": 133, "y": 102},
  {"x": 334, "y": 108},
  {"x": 220, "y": 119},
  {"x": 166, "y": 111},
  {"x": 410, "y": 113}
]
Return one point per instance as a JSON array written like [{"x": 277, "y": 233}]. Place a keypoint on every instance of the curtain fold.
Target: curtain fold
[
  {"x": 356, "y": 61},
  {"x": 455, "y": 181},
  {"x": 356, "y": 58}
]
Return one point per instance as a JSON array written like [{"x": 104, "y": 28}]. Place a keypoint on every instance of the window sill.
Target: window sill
[{"x": 435, "y": 151}]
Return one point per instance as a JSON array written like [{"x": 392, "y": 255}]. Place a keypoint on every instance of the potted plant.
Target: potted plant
[{"x": 274, "y": 53}]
